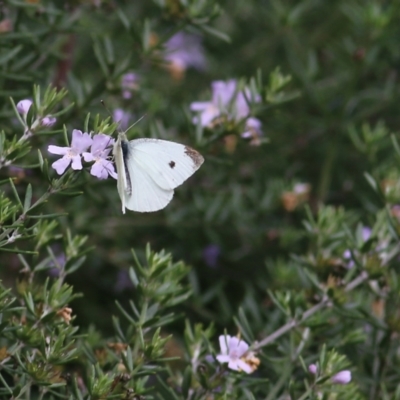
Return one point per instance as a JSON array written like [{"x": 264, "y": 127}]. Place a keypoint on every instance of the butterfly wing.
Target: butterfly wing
[
  {"x": 169, "y": 164},
  {"x": 146, "y": 195}
]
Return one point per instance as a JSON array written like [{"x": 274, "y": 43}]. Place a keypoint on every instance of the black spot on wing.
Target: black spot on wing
[{"x": 171, "y": 164}]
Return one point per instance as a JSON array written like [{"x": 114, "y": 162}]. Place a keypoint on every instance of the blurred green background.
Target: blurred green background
[{"x": 230, "y": 221}]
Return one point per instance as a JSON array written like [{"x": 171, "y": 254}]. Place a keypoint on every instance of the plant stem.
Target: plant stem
[{"x": 325, "y": 302}]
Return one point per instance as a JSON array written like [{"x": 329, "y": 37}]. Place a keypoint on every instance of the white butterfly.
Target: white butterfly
[{"x": 150, "y": 169}]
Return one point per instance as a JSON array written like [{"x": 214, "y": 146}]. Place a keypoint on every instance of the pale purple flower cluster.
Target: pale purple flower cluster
[
  {"x": 100, "y": 148},
  {"x": 23, "y": 107},
  {"x": 129, "y": 84},
  {"x": 184, "y": 50},
  {"x": 230, "y": 104}
]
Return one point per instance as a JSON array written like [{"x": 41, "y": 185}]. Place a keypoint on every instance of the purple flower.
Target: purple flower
[
  {"x": 71, "y": 155},
  {"x": 313, "y": 369},
  {"x": 129, "y": 83},
  {"x": 253, "y": 131},
  {"x": 342, "y": 377},
  {"x": 366, "y": 233},
  {"x": 48, "y": 121},
  {"x": 211, "y": 254},
  {"x": 122, "y": 117},
  {"x": 58, "y": 266},
  {"x": 227, "y": 101},
  {"x": 123, "y": 281},
  {"x": 23, "y": 106},
  {"x": 99, "y": 152},
  {"x": 233, "y": 352},
  {"x": 184, "y": 50}
]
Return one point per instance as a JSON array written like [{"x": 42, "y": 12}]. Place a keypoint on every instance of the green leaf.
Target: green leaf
[
  {"x": 186, "y": 382},
  {"x": 28, "y": 198},
  {"x": 9, "y": 54},
  {"x": 14, "y": 189},
  {"x": 216, "y": 33}
]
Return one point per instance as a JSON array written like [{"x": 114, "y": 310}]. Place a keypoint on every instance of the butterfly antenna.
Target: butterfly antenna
[
  {"x": 135, "y": 122},
  {"x": 119, "y": 122},
  {"x": 111, "y": 116},
  {"x": 107, "y": 109}
]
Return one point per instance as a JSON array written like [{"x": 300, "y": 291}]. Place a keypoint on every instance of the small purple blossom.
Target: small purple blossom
[
  {"x": 23, "y": 106},
  {"x": 366, "y": 233},
  {"x": 71, "y": 155},
  {"x": 232, "y": 352},
  {"x": 230, "y": 103},
  {"x": 122, "y": 117},
  {"x": 48, "y": 121},
  {"x": 342, "y": 377},
  {"x": 312, "y": 369},
  {"x": 252, "y": 130},
  {"x": 99, "y": 152},
  {"x": 211, "y": 254},
  {"x": 184, "y": 50},
  {"x": 129, "y": 83},
  {"x": 123, "y": 281}
]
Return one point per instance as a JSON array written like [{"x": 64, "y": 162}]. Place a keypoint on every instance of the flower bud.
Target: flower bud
[
  {"x": 23, "y": 106},
  {"x": 48, "y": 121},
  {"x": 342, "y": 377},
  {"x": 312, "y": 369}
]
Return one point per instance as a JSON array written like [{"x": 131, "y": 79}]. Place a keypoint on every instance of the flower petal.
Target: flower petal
[
  {"x": 222, "y": 358},
  {"x": 223, "y": 344},
  {"x": 88, "y": 157},
  {"x": 234, "y": 364},
  {"x": 243, "y": 366},
  {"x": 253, "y": 123},
  {"x": 61, "y": 165},
  {"x": 98, "y": 170},
  {"x": 109, "y": 166},
  {"x": 342, "y": 377},
  {"x": 241, "y": 107},
  {"x": 48, "y": 121},
  {"x": 208, "y": 115},
  {"x": 238, "y": 346},
  {"x": 223, "y": 92},
  {"x": 80, "y": 141},
  {"x": 58, "y": 150},
  {"x": 23, "y": 106},
  {"x": 76, "y": 162},
  {"x": 100, "y": 143},
  {"x": 199, "y": 105}
]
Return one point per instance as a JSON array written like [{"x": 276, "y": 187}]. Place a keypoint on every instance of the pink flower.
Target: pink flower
[
  {"x": 233, "y": 352},
  {"x": 342, "y": 377},
  {"x": 71, "y": 155},
  {"x": 23, "y": 106},
  {"x": 98, "y": 153}
]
